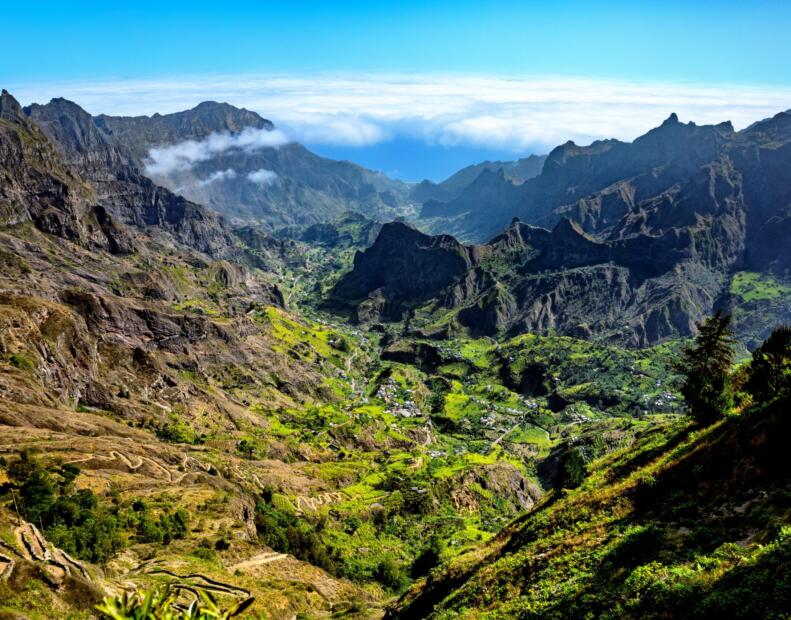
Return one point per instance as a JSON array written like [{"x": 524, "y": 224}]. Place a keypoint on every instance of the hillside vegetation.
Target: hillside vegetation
[{"x": 689, "y": 521}]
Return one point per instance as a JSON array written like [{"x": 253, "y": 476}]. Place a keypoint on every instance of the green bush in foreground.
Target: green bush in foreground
[{"x": 160, "y": 604}]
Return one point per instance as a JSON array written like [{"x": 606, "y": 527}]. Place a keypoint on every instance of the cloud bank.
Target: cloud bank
[
  {"x": 220, "y": 175},
  {"x": 521, "y": 114},
  {"x": 182, "y": 156},
  {"x": 262, "y": 176}
]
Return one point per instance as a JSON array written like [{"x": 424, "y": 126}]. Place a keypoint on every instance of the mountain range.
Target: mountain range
[
  {"x": 644, "y": 239},
  {"x": 515, "y": 172},
  {"x": 265, "y": 389},
  {"x": 274, "y": 186}
]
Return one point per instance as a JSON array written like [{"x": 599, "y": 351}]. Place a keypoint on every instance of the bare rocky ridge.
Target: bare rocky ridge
[
  {"x": 39, "y": 188},
  {"x": 119, "y": 186},
  {"x": 140, "y": 133},
  {"x": 466, "y": 180},
  {"x": 644, "y": 237},
  {"x": 659, "y": 181}
]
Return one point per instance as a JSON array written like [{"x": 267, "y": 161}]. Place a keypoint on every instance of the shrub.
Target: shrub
[
  {"x": 428, "y": 558},
  {"x": 22, "y": 361},
  {"x": 205, "y": 553},
  {"x": 246, "y": 448},
  {"x": 390, "y": 574},
  {"x": 161, "y": 528},
  {"x": 177, "y": 432}
]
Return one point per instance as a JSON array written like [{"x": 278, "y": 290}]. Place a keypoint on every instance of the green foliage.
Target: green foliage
[
  {"x": 428, "y": 558},
  {"x": 682, "y": 523},
  {"x": 37, "y": 491},
  {"x": 391, "y": 574},
  {"x": 22, "y": 361},
  {"x": 205, "y": 553},
  {"x": 769, "y": 374},
  {"x": 751, "y": 286},
  {"x": 72, "y": 520},
  {"x": 559, "y": 370},
  {"x": 157, "y": 528},
  {"x": 246, "y": 448},
  {"x": 75, "y": 521},
  {"x": 160, "y": 604},
  {"x": 177, "y": 431},
  {"x": 286, "y": 533},
  {"x": 705, "y": 367},
  {"x": 572, "y": 469}
]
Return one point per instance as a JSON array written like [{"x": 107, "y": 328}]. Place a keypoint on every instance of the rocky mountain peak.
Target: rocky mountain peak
[
  {"x": 400, "y": 230},
  {"x": 9, "y": 107},
  {"x": 74, "y": 130}
]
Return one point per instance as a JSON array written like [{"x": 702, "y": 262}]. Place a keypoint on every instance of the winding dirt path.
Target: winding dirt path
[
  {"x": 314, "y": 503},
  {"x": 259, "y": 560},
  {"x": 113, "y": 455},
  {"x": 187, "y": 581}
]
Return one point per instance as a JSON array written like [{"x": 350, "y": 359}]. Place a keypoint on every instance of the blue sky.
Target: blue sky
[{"x": 711, "y": 60}]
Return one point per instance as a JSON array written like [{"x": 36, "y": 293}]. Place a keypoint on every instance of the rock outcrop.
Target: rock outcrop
[
  {"x": 407, "y": 265},
  {"x": 40, "y": 188}
]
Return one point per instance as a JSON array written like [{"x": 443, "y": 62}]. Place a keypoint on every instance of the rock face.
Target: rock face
[
  {"x": 118, "y": 185},
  {"x": 351, "y": 230},
  {"x": 140, "y": 133},
  {"x": 676, "y": 165},
  {"x": 488, "y": 191},
  {"x": 297, "y": 187},
  {"x": 408, "y": 266},
  {"x": 38, "y": 187}
]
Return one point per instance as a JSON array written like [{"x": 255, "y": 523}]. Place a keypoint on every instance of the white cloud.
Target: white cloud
[
  {"x": 262, "y": 176},
  {"x": 220, "y": 175},
  {"x": 348, "y": 130},
  {"x": 518, "y": 113},
  {"x": 182, "y": 156}
]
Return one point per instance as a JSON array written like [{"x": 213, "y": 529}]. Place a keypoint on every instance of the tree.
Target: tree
[
  {"x": 428, "y": 558},
  {"x": 706, "y": 367},
  {"x": 572, "y": 469},
  {"x": 72, "y": 520},
  {"x": 246, "y": 448},
  {"x": 390, "y": 574},
  {"x": 769, "y": 374},
  {"x": 34, "y": 484}
]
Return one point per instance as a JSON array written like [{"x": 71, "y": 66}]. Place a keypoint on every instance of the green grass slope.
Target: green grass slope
[{"x": 684, "y": 524}]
